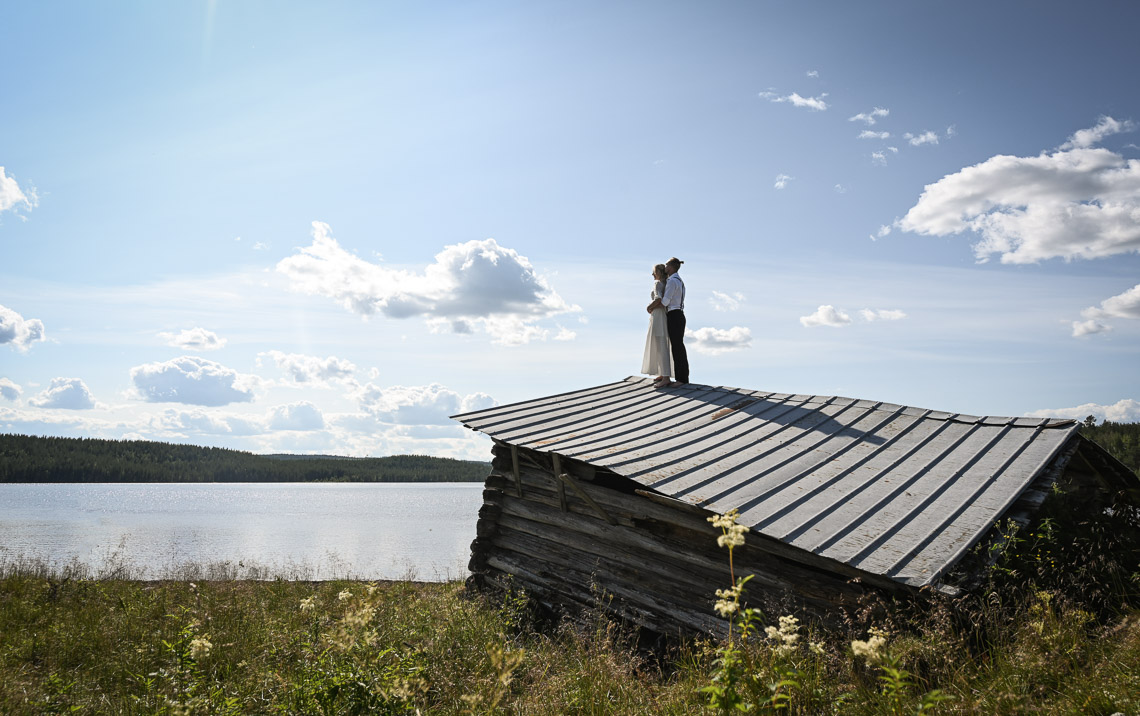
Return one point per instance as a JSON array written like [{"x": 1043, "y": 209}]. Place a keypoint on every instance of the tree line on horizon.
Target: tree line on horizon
[
  {"x": 27, "y": 458},
  {"x": 1121, "y": 440}
]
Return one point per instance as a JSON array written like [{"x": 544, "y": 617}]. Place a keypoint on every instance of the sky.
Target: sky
[{"x": 327, "y": 227}]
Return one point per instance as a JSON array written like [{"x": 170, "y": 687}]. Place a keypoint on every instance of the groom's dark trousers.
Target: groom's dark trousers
[{"x": 675, "y": 325}]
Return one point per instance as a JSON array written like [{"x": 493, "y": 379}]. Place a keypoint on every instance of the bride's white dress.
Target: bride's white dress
[{"x": 657, "y": 359}]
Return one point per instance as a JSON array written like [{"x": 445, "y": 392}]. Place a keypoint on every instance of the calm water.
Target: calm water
[{"x": 297, "y": 531}]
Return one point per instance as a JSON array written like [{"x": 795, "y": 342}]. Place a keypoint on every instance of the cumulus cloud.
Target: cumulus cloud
[
  {"x": 65, "y": 394},
  {"x": 418, "y": 405},
  {"x": 1076, "y": 203},
  {"x": 1124, "y": 305},
  {"x": 310, "y": 369},
  {"x": 1122, "y": 411},
  {"x": 813, "y": 73},
  {"x": 813, "y": 103},
  {"x": 194, "y": 339},
  {"x": 870, "y": 134},
  {"x": 712, "y": 341},
  {"x": 12, "y": 197},
  {"x": 477, "y": 284},
  {"x": 926, "y": 137},
  {"x": 782, "y": 181},
  {"x": 871, "y": 117},
  {"x": 869, "y": 315},
  {"x": 297, "y": 416},
  {"x": 21, "y": 333},
  {"x": 726, "y": 301},
  {"x": 9, "y": 390},
  {"x": 565, "y": 334},
  {"x": 192, "y": 380},
  {"x": 826, "y": 315}
]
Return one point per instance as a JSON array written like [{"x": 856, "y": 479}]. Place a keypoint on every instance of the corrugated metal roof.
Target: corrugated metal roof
[{"x": 888, "y": 489}]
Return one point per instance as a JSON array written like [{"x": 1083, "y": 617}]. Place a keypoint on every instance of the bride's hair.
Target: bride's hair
[{"x": 659, "y": 271}]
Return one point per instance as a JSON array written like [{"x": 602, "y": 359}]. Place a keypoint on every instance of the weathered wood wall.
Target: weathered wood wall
[{"x": 571, "y": 543}]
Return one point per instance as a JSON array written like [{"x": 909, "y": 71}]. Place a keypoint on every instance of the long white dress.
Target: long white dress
[{"x": 657, "y": 359}]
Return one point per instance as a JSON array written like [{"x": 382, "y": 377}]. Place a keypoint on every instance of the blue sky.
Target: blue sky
[{"x": 303, "y": 227}]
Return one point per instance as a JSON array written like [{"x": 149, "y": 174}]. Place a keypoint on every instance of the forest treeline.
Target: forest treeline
[
  {"x": 25, "y": 458},
  {"x": 1122, "y": 440}
]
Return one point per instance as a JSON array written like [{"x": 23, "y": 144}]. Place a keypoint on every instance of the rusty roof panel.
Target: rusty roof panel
[{"x": 888, "y": 489}]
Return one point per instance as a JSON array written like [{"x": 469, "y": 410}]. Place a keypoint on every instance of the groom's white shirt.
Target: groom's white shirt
[{"x": 674, "y": 297}]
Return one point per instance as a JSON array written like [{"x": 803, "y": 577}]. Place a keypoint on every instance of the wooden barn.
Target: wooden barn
[{"x": 607, "y": 490}]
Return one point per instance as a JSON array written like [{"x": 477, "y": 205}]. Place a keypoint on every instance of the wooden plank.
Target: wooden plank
[
  {"x": 561, "y": 485},
  {"x": 515, "y": 469}
]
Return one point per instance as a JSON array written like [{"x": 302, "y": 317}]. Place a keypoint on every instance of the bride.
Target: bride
[{"x": 656, "y": 359}]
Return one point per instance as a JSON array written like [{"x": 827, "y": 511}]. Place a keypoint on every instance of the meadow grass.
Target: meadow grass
[{"x": 76, "y": 643}]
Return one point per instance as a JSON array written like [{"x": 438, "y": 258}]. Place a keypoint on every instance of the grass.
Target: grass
[{"x": 98, "y": 644}]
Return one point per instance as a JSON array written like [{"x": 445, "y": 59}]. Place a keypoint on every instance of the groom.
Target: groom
[{"x": 674, "y": 303}]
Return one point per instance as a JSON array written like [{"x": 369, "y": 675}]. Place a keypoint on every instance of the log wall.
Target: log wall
[{"x": 596, "y": 539}]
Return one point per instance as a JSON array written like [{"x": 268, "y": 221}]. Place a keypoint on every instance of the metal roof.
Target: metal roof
[{"x": 888, "y": 489}]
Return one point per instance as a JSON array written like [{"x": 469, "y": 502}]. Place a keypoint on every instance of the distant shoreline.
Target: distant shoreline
[{"x": 33, "y": 460}]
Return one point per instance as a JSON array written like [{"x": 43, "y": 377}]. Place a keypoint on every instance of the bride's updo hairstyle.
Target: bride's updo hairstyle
[{"x": 659, "y": 272}]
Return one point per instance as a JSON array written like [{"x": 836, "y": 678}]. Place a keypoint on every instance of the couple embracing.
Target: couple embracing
[{"x": 665, "y": 353}]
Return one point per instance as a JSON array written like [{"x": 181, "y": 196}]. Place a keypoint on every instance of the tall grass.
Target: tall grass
[
  {"x": 230, "y": 639},
  {"x": 120, "y": 646}
]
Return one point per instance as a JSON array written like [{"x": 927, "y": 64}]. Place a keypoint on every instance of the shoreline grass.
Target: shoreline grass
[{"x": 117, "y": 645}]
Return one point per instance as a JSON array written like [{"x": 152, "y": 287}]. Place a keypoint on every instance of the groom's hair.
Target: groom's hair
[{"x": 674, "y": 262}]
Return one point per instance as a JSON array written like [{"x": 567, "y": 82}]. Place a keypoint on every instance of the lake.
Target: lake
[{"x": 243, "y": 530}]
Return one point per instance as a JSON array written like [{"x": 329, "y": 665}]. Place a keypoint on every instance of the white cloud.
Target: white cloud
[
  {"x": 1089, "y": 327},
  {"x": 782, "y": 181},
  {"x": 813, "y": 103},
  {"x": 417, "y": 405},
  {"x": 311, "y": 369},
  {"x": 951, "y": 130},
  {"x": 926, "y": 137},
  {"x": 12, "y": 197},
  {"x": 1105, "y": 127},
  {"x": 565, "y": 334},
  {"x": 1122, "y": 411},
  {"x": 840, "y": 189},
  {"x": 726, "y": 301},
  {"x": 712, "y": 341},
  {"x": 66, "y": 394},
  {"x": 9, "y": 390},
  {"x": 826, "y": 316},
  {"x": 21, "y": 333},
  {"x": 1077, "y": 203},
  {"x": 194, "y": 339},
  {"x": 1124, "y": 305},
  {"x": 192, "y": 380},
  {"x": 260, "y": 246},
  {"x": 474, "y": 284},
  {"x": 879, "y": 158},
  {"x": 868, "y": 314},
  {"x": 870, "y": 117},
  {"x": 202, "y": 422},
  {"x": 813, "y": 73},
  {"x": 870, "y": 134},
  {"x": 297, "y": 416}
]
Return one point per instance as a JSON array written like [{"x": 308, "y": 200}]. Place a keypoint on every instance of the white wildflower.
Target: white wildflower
[
  {"x": 815, "y": 647},
  {"x": 872, "y": 649},
  {"x": 725, "y": 607},
  {"x": 308, "y": 604},
  {"x": 784, "y": 637},
  {"x": 344, "y": 595},
  {"x": 200, "y": 648}
]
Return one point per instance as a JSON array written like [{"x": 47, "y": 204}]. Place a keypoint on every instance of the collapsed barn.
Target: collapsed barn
[{"x": 607, "y": 490}]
